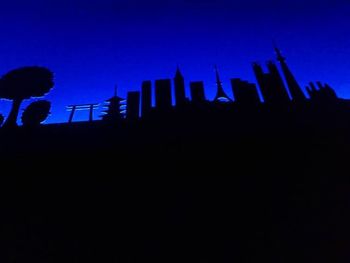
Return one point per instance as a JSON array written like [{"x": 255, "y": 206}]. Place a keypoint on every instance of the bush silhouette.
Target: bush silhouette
[
  {"x": 36, "y": 113},
  {"x": 24, "y": 83}
]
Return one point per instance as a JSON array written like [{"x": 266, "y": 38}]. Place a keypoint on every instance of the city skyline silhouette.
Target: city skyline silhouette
[
  {"x": 274, "y": 83},
  {"x": 100, "y": 44},
  {"x": 137, "y": 131}
]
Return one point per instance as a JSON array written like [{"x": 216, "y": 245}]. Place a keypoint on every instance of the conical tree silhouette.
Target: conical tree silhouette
[{"x": 24, "y": 83}]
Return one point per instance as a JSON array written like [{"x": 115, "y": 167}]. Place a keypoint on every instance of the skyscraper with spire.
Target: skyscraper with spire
[
  {"x": 221, "y": 96},
  {"x": 293, "y": 86},
  {"x": 179, "y": 83}
]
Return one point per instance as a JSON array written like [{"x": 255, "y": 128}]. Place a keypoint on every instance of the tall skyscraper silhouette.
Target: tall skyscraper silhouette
[
  {"x": 271, "y": 84},
  {"x": 294, "y": 88},
  {"x": 277, "y": 81},
  {"x": 146, "y": 98},
  {"x": 163, "y": 94},
  {"x": 197, "y": 92},
  {"x": 133, "y": 105},
  {"x": 179, "y": 83},
  {"x": 245, "y": 93},
  {"x": 221, "y": 95}
]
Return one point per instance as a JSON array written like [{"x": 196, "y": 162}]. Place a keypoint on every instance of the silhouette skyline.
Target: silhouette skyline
[
  {"x": 204, "y": 180},
  {"x": 277, "y": 86},
  {"x": 228, "y": 163},
  {"x": 104, "y": 43}
]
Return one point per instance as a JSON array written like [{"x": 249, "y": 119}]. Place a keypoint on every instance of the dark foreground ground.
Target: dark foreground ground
[{"x": 208, "y": 189}]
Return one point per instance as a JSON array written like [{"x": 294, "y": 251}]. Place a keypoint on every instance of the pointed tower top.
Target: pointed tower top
[
  {"x": 217, "y": 72},
  {"x": 178, "y": 72},
  {"x": 115, "y": 95},
  {"x": 218, "y": 79},
  {"x": 115, "y": 90},
  {"x": 279, "y": 55},
  {"x": 220, "y": 95},
  {"x": 294, "y": 88}
]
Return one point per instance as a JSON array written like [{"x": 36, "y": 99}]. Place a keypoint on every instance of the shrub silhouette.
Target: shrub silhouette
[
  {"x": 24, "y": 83},
  {"x": 36, "y": 113}
]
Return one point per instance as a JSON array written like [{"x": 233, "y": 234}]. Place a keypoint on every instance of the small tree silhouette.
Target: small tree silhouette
[
  {"x": 24, "y": 83},
  {"x": 36, "y": 113}
]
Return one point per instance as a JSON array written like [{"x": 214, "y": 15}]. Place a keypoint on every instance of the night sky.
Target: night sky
[{"x": 91, "y": 45}]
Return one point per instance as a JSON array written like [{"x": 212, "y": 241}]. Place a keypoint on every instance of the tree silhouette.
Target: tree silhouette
[
  {"x": 36, "y": 113},
  {"x": 24, "y": 83}
]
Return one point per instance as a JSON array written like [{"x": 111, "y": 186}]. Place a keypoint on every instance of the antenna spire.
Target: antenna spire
[
  {"x": 280, "y": 57},
  {"x": 115, "y": 90}
]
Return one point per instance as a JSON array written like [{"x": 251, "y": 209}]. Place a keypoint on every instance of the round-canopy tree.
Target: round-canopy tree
[
  {"x": 24, "y": 83},
  {"x": 36, "y": 113}
]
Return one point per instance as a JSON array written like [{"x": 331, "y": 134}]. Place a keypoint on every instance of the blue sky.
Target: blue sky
[{"x": 92, "y": 45}]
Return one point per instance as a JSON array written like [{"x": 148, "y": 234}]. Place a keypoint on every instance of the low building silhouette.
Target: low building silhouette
[
  {"x": 321, "y": 93},
  {"x": 245, "y": 93},
  {"x": 197, "y": 92}
]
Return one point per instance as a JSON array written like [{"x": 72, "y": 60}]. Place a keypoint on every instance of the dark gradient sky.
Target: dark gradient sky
[{"x": 93, "y": 44}]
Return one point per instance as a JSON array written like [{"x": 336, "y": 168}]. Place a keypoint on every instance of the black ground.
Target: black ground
[{"x": 269, "y": 187}]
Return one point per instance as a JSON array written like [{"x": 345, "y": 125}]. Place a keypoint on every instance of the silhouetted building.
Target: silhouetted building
[
  {"x": 113, "y": 111},
  {"x": 294, "y": 89},
  {"x": 321, "y": 93},
  {"x": 271, "y": 84},
  {"x": 245, "y": 93},
  {"x": 220, "y": 96},
  {"x": 133, "y": 105},
  {"x": 197, "y": 92},
  {"x": 277, "y": 81},
  {"x": 163, "y": 94},
  {"x": 179, "y": 84},
  {"x": 146, "y": 98}
]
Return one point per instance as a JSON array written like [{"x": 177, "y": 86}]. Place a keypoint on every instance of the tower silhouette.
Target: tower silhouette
[
  {"x": 197, "y": 92},
  {"x": 133, "y": 105},
  {"x": 113, "y": 106},
  {"x": 245, "y": 93},
  {"x": 294, "y": 88},
  {"x": 163, "y": 94},
  {"x": 146, "y": 98},
  {"x": 221, "y": 96},
  {"x": 271, "y": 84},
  {"x": 180, "y": 94}
]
